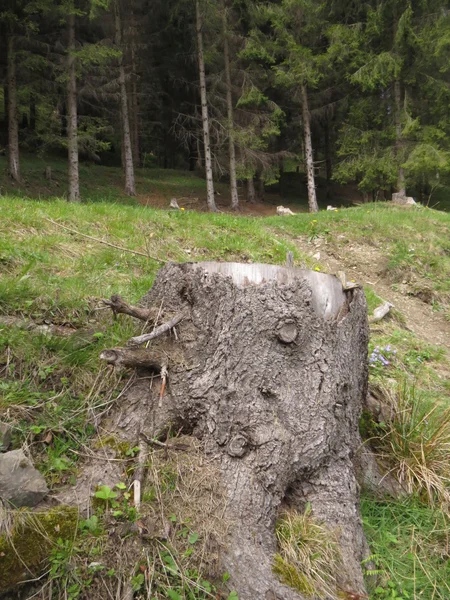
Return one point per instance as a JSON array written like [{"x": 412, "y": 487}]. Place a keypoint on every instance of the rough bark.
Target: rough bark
[
  {"x": 259, "y": 185},
  {"x": 401, "y": 186},
  {"x": 205, "y": 117},
  {"x": 124, "y": 114},
  {"x": 328, "y": 159},
  {"x": 13, "y": 126},
  {"x": 251, "y": 192},
  {"x": 72, "y": 135},
  {"x": 309, "y": 162},
  {"x": 232, "y": 149},
  {"x": 134, "y": 98},
  {"x": 133, "y": 358},
  {"x": 269, "y": 370},
  {"x": 32, "y": 112}
]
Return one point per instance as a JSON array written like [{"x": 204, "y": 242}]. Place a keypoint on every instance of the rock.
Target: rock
[
  {"x": 5, "y": 436},
  {"x": 20, "y": 483},
  {"x": 174, "y": 204},
  {"x": 402, "y": 199},
  {"x": 283, "y": 212},
  {"x": 380, "y": 312},
  {"x": 373, "y": 477}
]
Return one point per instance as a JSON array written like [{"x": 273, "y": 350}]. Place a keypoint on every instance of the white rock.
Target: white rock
[{"x": 283, "y": 212}]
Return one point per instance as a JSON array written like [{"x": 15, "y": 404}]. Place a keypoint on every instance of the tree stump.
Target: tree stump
[{"x": 269, "y": 368}]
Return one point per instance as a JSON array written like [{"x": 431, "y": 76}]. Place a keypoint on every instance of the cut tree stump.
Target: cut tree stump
[{"x": 268, "y": 369}]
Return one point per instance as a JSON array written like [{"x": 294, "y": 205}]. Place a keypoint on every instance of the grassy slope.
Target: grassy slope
[{"x": 48, "y": 274}]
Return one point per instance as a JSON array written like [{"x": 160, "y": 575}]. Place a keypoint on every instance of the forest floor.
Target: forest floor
[{"x": 57, "y": 261}]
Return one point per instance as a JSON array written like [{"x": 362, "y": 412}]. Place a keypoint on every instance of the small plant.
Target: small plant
[
  {"x": 309, "y": 557},
  {"x": 106, "y": 494},
  {"x": 415, "y": 445},
  {"x": 382, "y": 357}
]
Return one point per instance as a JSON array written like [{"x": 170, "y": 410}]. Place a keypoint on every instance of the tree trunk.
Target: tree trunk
[
  {"x": 134, "y": 100},
  {"x": 130, "y": 189},
  {"x": 72, "y": 135},
  {"x": 260, "y": 188},
  {"x": 32, "y": 112},
  {"x": 13, "y": 126},
  {"x": 309, "y": 163},
  {"x": 232, "y": 150},
  {"x": 205, "y": 117},
  {"x": 328, "y": 162},
  {"x": 401, "y": 187},
  {"x": 251, "y": 192},
  {"x": 269, "y": 370}
]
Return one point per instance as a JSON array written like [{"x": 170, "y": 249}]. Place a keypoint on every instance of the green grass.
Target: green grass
[{"x": 410, "y": 549}]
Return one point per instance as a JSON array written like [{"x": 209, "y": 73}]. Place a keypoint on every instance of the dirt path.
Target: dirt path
[{"x": 366, "y": 264}]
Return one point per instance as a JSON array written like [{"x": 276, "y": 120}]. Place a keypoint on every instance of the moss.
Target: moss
[
  {"x": 25, "y": 548},
  {"x": 291, "y": 576},
  {"x": 121, "y": 447}
]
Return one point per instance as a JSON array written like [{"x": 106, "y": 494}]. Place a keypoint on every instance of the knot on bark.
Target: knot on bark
[
  {"x": 237, "y": 447},
  {"x": 287, "y": 332}
]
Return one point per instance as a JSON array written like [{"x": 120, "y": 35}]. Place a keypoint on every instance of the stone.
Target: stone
[
  {"x": 283, "y": 212},
  {"x": 20, "y": 483},
  {"x": 399, "y": 198},
  {"x": 5, "y": 436}
]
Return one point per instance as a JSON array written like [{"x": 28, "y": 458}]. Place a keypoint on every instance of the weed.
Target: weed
[
  {"x": 414, "y": 444},
  {"x": 308, "y": 558}
]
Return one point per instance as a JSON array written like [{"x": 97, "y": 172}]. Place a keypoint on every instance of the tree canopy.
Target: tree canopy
[{"x": 243, "y": 89}]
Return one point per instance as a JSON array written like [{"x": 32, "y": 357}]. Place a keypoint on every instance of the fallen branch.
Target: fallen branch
[
  {"x": 141, "y": 339},
  {"x": 100, "y": 241},
  {"x": 119, "y": 306},
  {"x": 132, "y": 359}
]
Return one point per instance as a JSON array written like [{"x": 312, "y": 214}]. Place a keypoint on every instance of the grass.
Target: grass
[
  {"x": 413, "y": 443},
  {"x": 52, "y": 385},
  {"x": 308, "y": 557},
  {"x": 410, "y": 545}
]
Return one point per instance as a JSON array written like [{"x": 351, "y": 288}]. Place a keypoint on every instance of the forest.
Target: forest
[
  {"x": 224, "y": 300},
  {"x": 238, "y": 89}
]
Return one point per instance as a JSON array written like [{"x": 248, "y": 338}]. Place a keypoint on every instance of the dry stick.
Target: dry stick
[
  {"x": 164, "y": 374},
  {"x": 100, "y": 241},
  {"x": 119, "y": 306},
  {"x": 139, "y": 473},
  {"x": 141, "y": 339}
]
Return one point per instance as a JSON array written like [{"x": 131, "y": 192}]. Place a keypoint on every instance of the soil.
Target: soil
[{"x": 367, "y": 265}]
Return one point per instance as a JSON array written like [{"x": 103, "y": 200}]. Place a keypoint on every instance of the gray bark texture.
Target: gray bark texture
[
  {"x": 269, "y": 369},
  {"x": 72, "y": 133},
  {"x": 13, "y": 127},
  {"x": 127, "y": 151},
  {"x": 251, "y": 192},
  {"x": 309, "y": 161},
  {"x": 205, "y": 117},
  {"x": 401, "y": 184}
]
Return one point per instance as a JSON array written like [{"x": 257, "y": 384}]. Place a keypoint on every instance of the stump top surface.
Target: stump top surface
[{"x": 327, "y": 294}]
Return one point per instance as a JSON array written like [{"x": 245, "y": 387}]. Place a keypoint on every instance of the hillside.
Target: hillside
[{"x": 57, "y": 261}]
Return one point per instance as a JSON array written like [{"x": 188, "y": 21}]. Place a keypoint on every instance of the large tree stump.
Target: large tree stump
[{"x": 269, "y": 368}]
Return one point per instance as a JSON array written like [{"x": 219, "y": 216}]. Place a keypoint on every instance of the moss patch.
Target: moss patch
[{"x": 25, "y": 548}]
